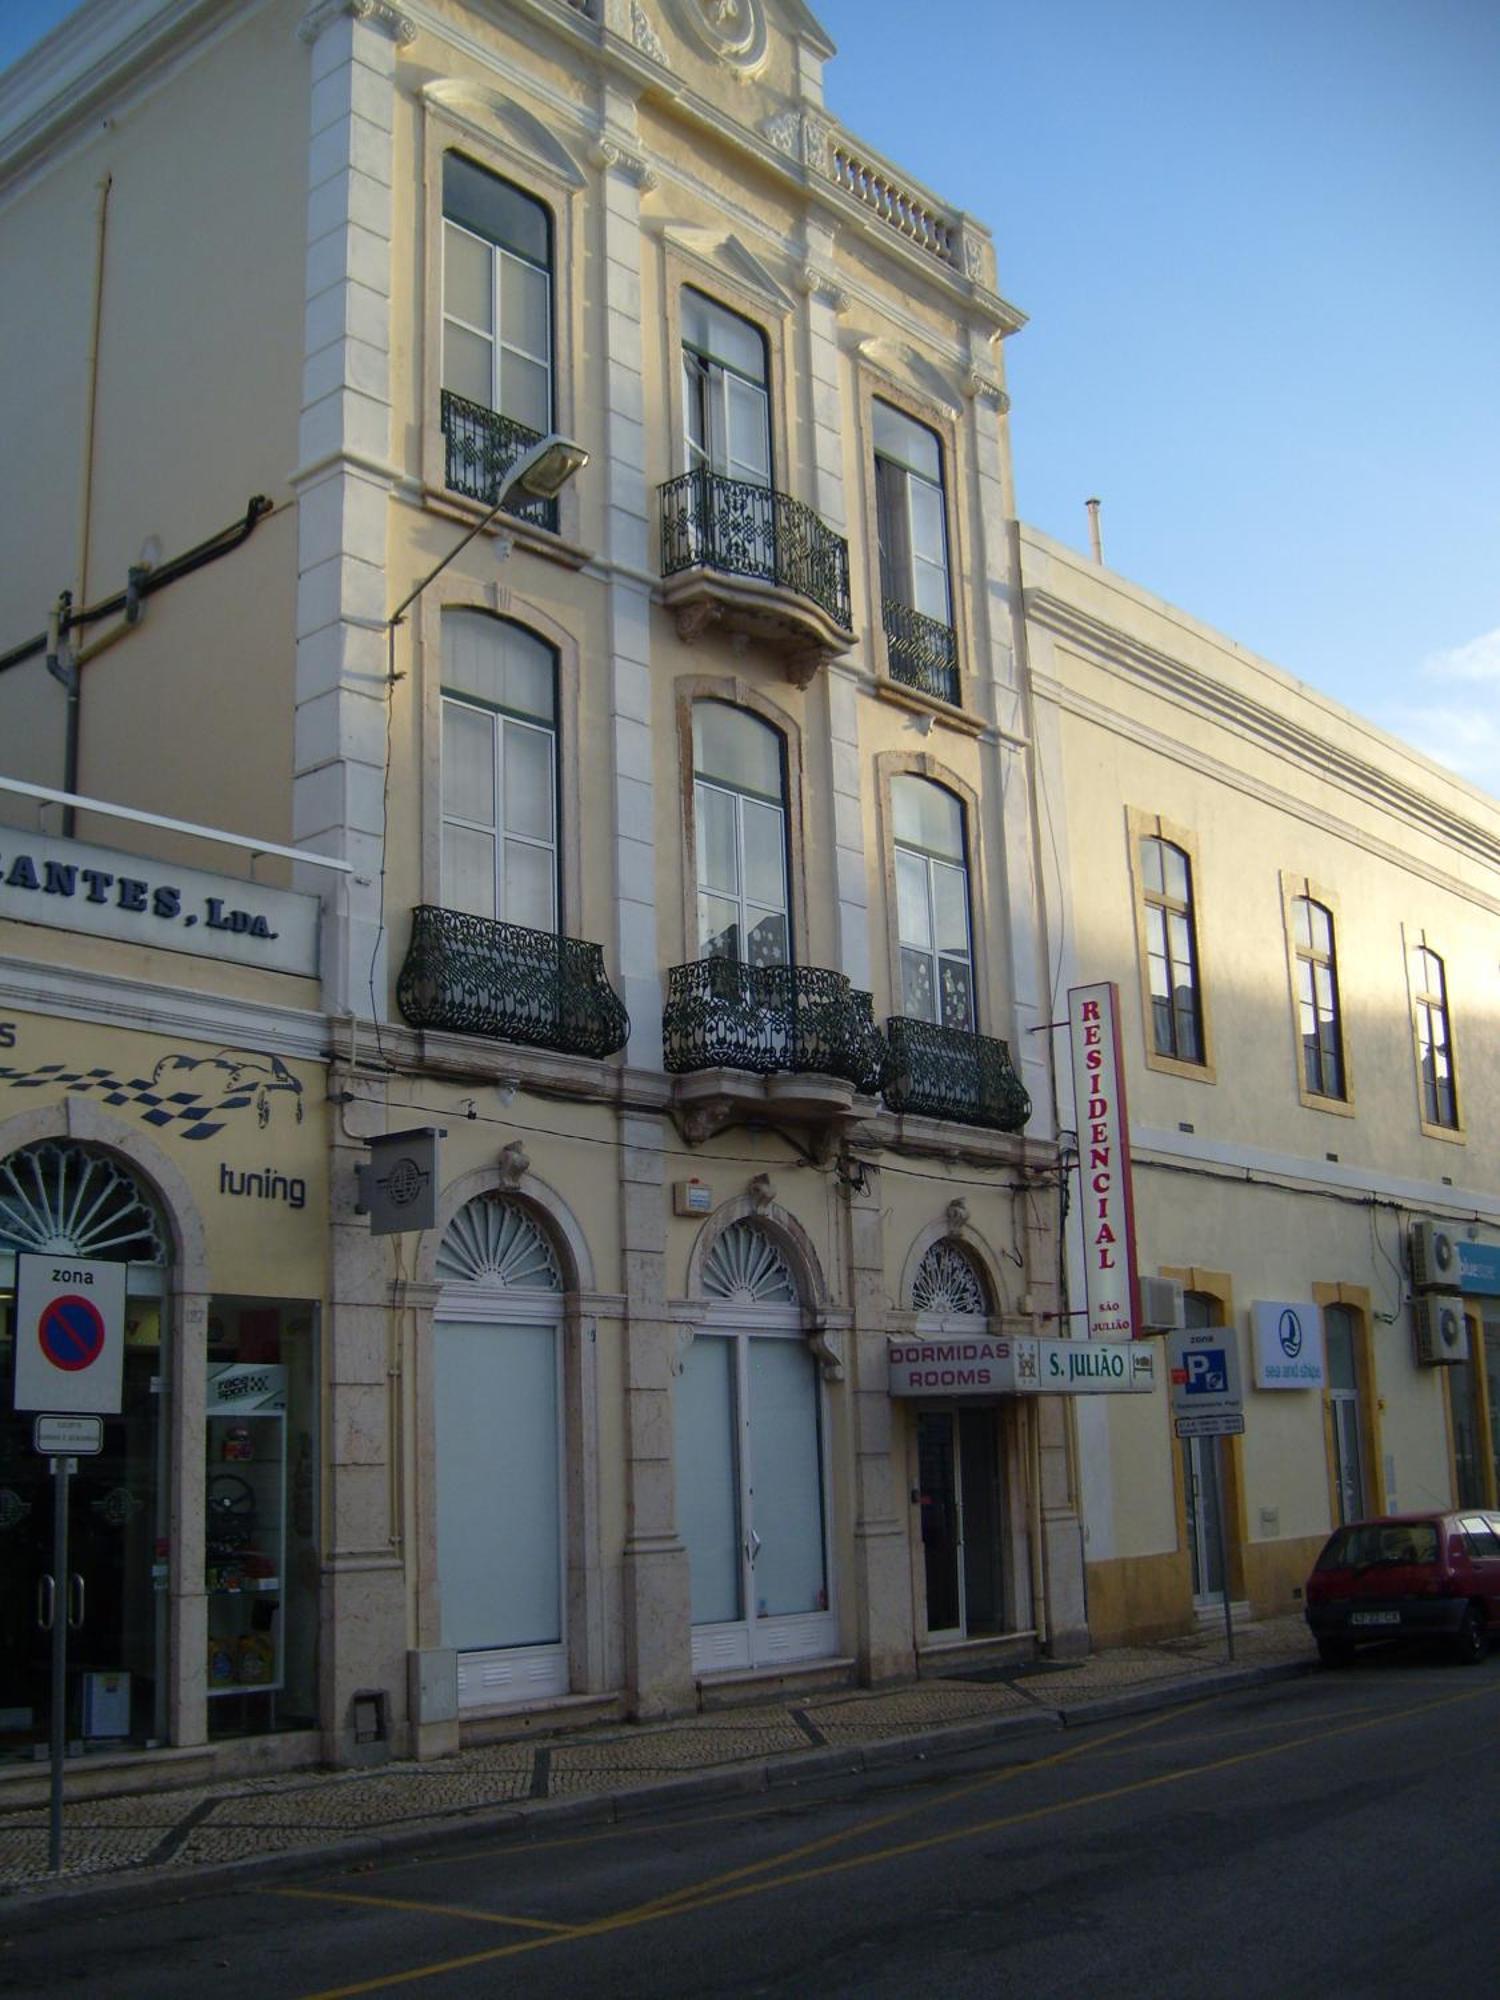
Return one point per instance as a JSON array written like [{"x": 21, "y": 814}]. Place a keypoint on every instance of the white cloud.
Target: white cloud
[{"x": 1479, "y": 660}]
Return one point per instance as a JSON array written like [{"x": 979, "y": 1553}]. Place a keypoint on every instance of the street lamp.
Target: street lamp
[{"x": 542, "y": 472}]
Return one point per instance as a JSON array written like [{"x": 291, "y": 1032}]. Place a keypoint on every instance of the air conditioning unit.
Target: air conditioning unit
[
  {"x": 1161, "y": 1305},
  {"x": 1434, "y": 1257},
  {"x": 1441, "y": 1330}
]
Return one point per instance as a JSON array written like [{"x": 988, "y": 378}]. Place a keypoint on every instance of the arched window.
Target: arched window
[
  {"x": 1318, "y": 1015},
  {"x": 932, "y": 903},
  {"x": 726, "y": 408},
  {"x": 739, "y": 817},
  {"x": 499, "y": 754},
  {"x": 498, "y": 1452},
  {"x": 1171, "y": 950},
  {"x": 916, "y": 604},
  {"x": 1434, "y": 1039},
  {"x": 948, "y": 1281}
]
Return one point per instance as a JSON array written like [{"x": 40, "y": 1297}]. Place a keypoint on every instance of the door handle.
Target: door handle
[
  {"x": 46, "y": 1601},
  {"x": 75, "y": 1600},
  {"x": 752, "y": 1548}
]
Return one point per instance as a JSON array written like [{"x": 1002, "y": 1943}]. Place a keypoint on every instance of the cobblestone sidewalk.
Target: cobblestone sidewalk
[{"x": 620, "y": 1767}]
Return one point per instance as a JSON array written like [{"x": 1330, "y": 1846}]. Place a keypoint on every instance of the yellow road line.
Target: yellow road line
[
  {"x": 425, "y": 1909},
  {"x": 717, "y": 1891}
]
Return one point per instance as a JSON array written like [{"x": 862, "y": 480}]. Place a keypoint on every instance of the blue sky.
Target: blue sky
[{"x": 1259, "y": 245}]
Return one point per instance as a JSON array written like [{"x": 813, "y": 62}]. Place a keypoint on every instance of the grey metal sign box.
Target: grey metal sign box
[{"x": 398, "y": 1190}]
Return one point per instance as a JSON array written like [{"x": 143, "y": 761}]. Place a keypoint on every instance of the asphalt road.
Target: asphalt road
[{"x": 1337, "y": 1835}]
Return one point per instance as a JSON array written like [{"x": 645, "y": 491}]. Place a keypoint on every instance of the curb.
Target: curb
[{"x": 26, "y": 1905}]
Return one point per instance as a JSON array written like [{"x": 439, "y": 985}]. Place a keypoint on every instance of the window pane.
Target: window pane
[
  {"x": 695, "y": 408},
  {"x": 530, "y": 885},
  {"x": 497, "y": 663},
  {"x": 1175, "y": 868},
  {"x": 468, "y": 871},
  {"x": 926, "y": 504},
  {"x": 913, "y": 912},
  {"x": 918, "y": 999},
  {"x": 468, "y": 280},
  {"x": 1185, "y": 1012},
  {"x": 1338, "y": 1335},
  {"x": 718, "y": 862},
  {"x": 767, "y": 944},
  {"x": 786, "y": 1479},
  {"x": 1301, "y": 924},
  {"x": 494, "y": 209},
  {"x": 468, "y": 763},
  {"x": 722, "y": 335},
  {"x": 924, "y": 815},
  {"x": 1151, "y": 870},
  {"x": 468, "y": 365},
  {"x": 957, "y": 993},
  {"x": 1180, "y": 941},
  {"x": 525, "y": 391},
  {"x": 718, "y": 928},
  {"x": 749, "y": 432},
  {"x": 951, "y": 899},
  {"x": 528, "y": 782},
  {"x": 524, "y": 308},
  {"x": 1320, "y": 924},
  {"x": 908, "y": 443},
  {"x": 734, "y": 747},
  {"x": 708, "y": 1506},
  {"x": 765, "y": 873}
]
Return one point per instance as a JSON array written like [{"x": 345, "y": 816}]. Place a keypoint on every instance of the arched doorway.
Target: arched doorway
[
  {"x": 960, "y": 1464},
  {"x": 499, "y": 1454},
  {"x": 752, "y": 1485},
  {"x": 59, "y": 1197}
]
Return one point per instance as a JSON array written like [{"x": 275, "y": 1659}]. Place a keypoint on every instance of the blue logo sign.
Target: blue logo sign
[
  {"x": 1289, "y": 1333},
  {"x": 1207, "y": 1372}
]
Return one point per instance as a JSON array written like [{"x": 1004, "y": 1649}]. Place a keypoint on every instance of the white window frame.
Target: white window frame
[
  {"x": 931, "y": 862},
  {"x": 499, "y": 258},
  {"x": 501, "y": 720}
]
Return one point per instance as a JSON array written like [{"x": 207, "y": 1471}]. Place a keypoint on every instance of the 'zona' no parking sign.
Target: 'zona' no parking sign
[{"x": 70, "y": 1334}]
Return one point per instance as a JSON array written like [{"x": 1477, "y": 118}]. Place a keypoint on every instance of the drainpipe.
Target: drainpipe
[{"x": 85, "y": 499}]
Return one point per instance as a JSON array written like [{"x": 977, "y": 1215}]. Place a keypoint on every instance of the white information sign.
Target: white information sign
[
  {"x": 1203, "y": 1364},
  {"x": 1288, "y": 1340},
  {"x": 68, "y": 1437},
  {"x": 1105, "y": 1208},
  {"x": 964, "y": 1367},
  {"x": 70, "y": 1334}
]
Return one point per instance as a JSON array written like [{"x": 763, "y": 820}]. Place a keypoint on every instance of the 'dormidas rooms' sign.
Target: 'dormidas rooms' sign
[{"x": 1105, "y": 1208}]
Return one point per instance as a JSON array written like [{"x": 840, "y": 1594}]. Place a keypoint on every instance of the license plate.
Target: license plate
[{"x": 1374, "y": 1617}]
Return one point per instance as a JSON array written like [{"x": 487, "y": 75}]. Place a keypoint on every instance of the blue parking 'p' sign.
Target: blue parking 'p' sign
[{"x": 1207, "y": 1372}]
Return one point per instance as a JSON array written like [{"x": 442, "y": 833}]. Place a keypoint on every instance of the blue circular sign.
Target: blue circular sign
[
  {"x": 1289, "y": 1333},
  {"x": 71, "y": 1332}
]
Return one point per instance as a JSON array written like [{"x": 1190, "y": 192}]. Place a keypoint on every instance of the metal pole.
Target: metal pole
[
  {"x": 60, "y": 1470},
  {"x": 1218, "y": 1445}
]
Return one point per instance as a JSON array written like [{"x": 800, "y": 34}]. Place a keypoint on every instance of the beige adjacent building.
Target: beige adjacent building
[
  {"x": 656, "y": 855},
  {"x": 1302, "y": 917}
]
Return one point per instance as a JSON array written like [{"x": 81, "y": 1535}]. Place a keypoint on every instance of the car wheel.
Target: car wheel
[
  {"x": 1471, "y": 1641},
  {"x": 1335, "y": 1653}
]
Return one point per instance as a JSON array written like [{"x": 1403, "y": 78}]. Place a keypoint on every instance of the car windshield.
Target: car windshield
[{"x": 1375, "y": 1542}]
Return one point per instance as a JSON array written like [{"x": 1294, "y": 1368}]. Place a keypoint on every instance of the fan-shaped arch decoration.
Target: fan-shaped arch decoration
[
  {"x": 68, "y": 1200},
  {"x": 745, "y": 1266},
  {"x": 948, "y": 1281},
  {"x": 493, "y": 1242}
]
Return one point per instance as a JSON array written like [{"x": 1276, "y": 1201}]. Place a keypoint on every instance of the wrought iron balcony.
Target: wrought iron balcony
[
  {"x": 937, "y": 1072},
  {"x": 760, "y": 559},
  {"x": 480, "y": 447},
  {"x": 474, "y": 976},
  {"x": 770, "y": 1018},
  {"x": 923, "y": 653}
]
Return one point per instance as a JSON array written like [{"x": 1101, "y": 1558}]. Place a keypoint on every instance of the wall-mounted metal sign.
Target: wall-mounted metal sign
[
  {"x": 1018, "y": 1365},
  {"x": 398, "y": 1190},
  {"x": 1106, "y": 1208}
]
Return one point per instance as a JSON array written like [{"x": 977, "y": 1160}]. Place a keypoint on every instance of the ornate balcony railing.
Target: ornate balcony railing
[
  {"x": 480, "y": 447},
  {"x": 474, "y": 976},
  {"x": 923, "y": 653},
  {"x": 949, "y": 1073},
  {"x": 721, "y": 1015},
  {"x": 741, "y": 529}
]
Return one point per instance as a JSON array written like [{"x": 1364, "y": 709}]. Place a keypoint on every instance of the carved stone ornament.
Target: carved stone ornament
[
  {"x": 732, "y": 30},
  {"x": 762, "y": 1193},
  {"x": 958, "y": 1215},
  {"x": 514, "y": 1165},
  {"x": 828, "y": 1348},
  {"x": 645, "y": 36},
  {"x": 378, "y": 13},
  {"x": 617, "y": 159},
  {"x": 784, "y": 129},
  {"x": 820, "y": 286},
  {"x": 985, "y": 389}
]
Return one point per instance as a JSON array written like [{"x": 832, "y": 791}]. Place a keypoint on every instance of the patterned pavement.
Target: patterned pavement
[{"x": 165, "y": 1834}]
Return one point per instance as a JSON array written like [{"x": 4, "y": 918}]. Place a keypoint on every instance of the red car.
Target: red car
[{"x": 1408, "y": 1576}]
